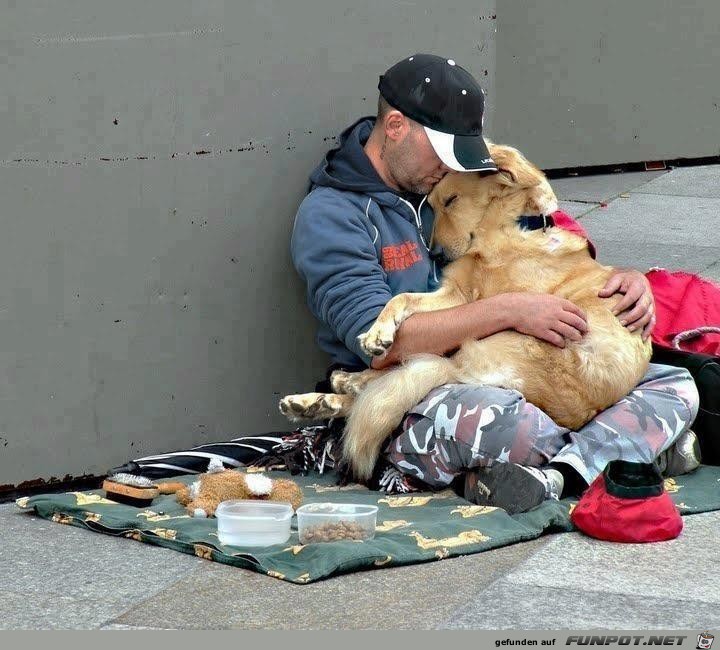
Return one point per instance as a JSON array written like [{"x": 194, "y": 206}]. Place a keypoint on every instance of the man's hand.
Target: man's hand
[
  {"x": 547, "y": 317},
  {"x": 636, "y": 308}
]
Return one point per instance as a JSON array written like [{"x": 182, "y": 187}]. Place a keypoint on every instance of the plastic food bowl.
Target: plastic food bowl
[
  {"x": 336, "y": 522},
  {"x": 253, "y": 523}
]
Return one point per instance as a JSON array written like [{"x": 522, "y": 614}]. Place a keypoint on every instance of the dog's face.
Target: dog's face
[{"x": 468, "y": 204}]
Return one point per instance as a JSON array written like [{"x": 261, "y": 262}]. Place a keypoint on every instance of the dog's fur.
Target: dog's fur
[{"x": 492, "y": 255}]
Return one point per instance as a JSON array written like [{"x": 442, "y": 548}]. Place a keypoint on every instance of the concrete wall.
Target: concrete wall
[
  {"x": 152, "y": 156},
  {"x": 582, "y": 82}
]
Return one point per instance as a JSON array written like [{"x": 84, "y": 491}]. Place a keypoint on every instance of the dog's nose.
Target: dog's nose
[{"x": 437, "y": 254}]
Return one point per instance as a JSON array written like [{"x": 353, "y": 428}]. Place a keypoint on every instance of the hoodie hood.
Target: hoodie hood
[
  {"x": 356, "y": 243},
  {"x": 348, "y": 168}
]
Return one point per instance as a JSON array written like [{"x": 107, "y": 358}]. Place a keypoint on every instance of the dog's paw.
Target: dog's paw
[
  {"x": 293, "y": 407},
  {"x": 378, "y": 339},
  {"x": 339, "y": 380},
  {"x": 311, "y": 406},
  {"x": 346, "y": 383}
]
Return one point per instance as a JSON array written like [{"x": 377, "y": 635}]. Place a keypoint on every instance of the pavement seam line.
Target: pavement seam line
[
  {"x": 683, "y": 196},
  {"x": 605, "y": 591}
]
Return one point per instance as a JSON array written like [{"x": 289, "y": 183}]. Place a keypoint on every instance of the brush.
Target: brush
[{"x": 131, "y": 490}]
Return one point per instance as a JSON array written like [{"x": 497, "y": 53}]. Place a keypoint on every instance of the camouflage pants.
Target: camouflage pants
[{"x": 458, "y": 427}]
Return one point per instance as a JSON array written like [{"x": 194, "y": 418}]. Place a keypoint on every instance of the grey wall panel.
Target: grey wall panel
[
  {"x": 147, "y": 300},
  {"x": 582, "y": 82}
]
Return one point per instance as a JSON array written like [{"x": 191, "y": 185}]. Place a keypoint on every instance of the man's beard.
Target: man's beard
[
  {"x": 420, "y": 188},
  {"x": 405, "y": 177},
  {"x": 415, "y": 185}
]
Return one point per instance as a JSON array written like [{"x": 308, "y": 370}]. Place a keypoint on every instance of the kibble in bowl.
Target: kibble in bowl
[{"x": 336, "y": 522}]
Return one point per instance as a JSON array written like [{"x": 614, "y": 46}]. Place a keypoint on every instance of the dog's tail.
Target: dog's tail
[{"x": 379, "y": 409}]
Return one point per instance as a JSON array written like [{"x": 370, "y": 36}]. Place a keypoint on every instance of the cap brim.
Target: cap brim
[{"x": 462, "y": 153}]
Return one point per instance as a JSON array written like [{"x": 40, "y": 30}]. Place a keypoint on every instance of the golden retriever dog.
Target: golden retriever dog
[{"x": 476, "y": 223}]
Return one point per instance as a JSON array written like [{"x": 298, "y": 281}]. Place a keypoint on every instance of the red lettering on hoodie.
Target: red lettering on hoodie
[{"x": 400, "y": 256}]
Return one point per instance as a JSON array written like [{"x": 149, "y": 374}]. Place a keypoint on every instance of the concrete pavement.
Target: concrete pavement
[{"x": 54, "y": 576}]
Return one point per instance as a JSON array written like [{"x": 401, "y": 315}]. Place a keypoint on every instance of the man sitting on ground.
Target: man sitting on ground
[{"x": 360, "y": 237}]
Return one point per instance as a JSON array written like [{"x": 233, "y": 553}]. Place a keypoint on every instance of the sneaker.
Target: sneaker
[
  {"x": 389, "y": 479},
  {"x": 682, "y": 457},
  {"x": 514, "y": 488},
  {"x": 393, "y": 481}
]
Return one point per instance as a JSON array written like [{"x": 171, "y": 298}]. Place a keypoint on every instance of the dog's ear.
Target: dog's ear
[
  {"x": 503, "y": 157},
  {"x": 505, "y": 177},
  {"x": 514, "y": 170}
]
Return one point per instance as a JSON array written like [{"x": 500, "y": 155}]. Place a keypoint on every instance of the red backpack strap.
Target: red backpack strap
[{"x": 693, "y": 334}]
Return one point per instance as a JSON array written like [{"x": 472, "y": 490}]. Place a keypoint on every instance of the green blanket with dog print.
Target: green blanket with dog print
[{"x": 417, "y": 527}]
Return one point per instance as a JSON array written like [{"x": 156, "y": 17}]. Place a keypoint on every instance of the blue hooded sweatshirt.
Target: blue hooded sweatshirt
[{"x": 357, "y": 243}]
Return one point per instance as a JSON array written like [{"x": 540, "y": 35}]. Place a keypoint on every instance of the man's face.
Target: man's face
[{"x": 413, "y": 162}]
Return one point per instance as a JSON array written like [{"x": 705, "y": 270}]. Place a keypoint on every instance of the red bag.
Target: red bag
[
  {"x": 687, "y": 311},
  {"x": 628, "y": 503},
  {"x": 687, "y": 306},
  {"x": 566, "y": 222}
]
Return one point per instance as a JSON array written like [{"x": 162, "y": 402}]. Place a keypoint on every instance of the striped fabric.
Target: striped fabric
[{"x": 237, "y": 452}]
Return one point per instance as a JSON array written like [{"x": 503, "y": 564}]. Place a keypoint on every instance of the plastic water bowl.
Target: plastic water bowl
[
  {"x": 336, "y": 522},
  {"x": 253, "y": 523}
]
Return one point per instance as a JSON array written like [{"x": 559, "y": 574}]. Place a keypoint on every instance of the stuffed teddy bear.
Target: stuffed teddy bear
[{"x": 202, "y": 497}]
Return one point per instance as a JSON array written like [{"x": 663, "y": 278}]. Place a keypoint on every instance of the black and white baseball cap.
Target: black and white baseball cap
[{"x": 447, "y": 101}]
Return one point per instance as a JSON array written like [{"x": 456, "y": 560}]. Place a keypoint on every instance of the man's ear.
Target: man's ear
[{"x": 395, "y": 125}]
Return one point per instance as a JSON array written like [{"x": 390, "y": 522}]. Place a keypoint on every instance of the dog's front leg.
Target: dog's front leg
[
  {"x": 378, "y": 339},
  {"x": 351, "y": 383}
]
